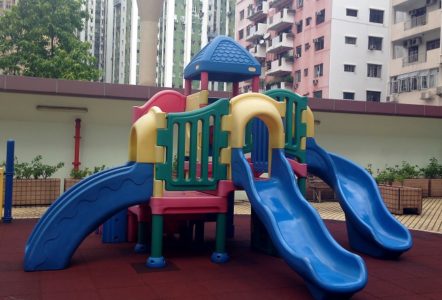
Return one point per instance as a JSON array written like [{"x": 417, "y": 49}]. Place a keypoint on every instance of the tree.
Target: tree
[{"x": 38, "y": 38}]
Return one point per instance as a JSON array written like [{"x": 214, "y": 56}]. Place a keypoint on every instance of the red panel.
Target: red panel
[{"x": 167, "y": 101}]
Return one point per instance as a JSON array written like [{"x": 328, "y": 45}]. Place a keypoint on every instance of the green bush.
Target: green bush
[
  {"x": 82, "y": 173},
  {"x": 35, "y": 169},
  {"x": 396, "y": 173},
  {"x": 433, "y": 169}
]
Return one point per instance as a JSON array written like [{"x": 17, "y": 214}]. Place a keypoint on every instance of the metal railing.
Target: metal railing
[
  {"x": 414, "y": 59},
  {"x": 415, "y": 22}
]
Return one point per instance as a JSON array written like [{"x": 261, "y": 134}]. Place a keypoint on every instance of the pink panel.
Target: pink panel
[
  {"x": 187, "y": 203},
  {"x": 299, "y": 168},
  {"x": 167, "y": 101}
]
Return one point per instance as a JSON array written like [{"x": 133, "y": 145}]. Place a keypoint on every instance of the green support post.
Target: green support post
[
  {"x": 220, "y": 255},
  {"x": 156, "y": 259}
]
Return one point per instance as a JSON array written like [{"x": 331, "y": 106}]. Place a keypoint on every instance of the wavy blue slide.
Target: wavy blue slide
[
  {"x": 81, "y": 209},
  {"x": 297, "y": 230},
  {"x": 371, "y": 227}
]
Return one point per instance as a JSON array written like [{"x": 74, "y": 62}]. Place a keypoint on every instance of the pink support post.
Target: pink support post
[
  {"x": 255, "y": 84},
  {"x": 235, "y": 89},
  {"x": 204, "y": 81},
  {"x": 187, "y": 87}
]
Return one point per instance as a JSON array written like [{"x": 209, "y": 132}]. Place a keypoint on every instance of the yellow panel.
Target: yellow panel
[
  {"x": 143, "y": 137},
  {"x": 309, "y": 119},
  {"x": 194, "y": 101},
  {"x": 247, "y": 106}
]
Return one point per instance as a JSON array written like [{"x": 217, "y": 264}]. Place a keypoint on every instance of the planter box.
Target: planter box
[
  {"x": 421, "y": 183},
  {"x": 436, "y": 187},
  {"x": 35, "y": 191},
  {"x": 69, "y": 182},
  {"x": 400, "y": 199}
]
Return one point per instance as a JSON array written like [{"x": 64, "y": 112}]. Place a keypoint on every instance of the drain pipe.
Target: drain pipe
[{"x": 77, "y": 138}]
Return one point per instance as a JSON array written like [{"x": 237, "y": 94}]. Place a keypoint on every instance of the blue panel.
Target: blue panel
[
  {"x": 225, "y": 60},
  {"x": 371, "y": 227},
  {"x": 298, "y": 232},
  {"x": 115, "y": 229},
  {"x": 260, "y": 150},
  {"x": 63, "y": 228}
]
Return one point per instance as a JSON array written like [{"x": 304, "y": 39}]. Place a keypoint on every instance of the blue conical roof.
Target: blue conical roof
[{"x": 225, "y": 60}]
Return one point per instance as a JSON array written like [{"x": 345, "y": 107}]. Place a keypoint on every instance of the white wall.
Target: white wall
[
  {"x": 380, "y": 140},
  {"x": 358, "y": 54},
  {"x": 105, "y": 130}
]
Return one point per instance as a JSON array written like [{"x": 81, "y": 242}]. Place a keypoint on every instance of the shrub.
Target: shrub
[
  {"x": 398, "y": 173},
  {"x": 82, "y": 173},
  {"x": 433, "y": 169},
  {"x": 35, "y": 169}
]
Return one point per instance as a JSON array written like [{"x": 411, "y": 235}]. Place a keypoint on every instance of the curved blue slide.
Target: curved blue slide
[
  {"x": 371, "y": 227},
  {"x": 297, "y": 230},
  {"x": 81, "y": 210}
]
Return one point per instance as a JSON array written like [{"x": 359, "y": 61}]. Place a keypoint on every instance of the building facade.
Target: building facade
[
  {"x": 6, "y": 5},
  {"x": 322, "y": 49},
  {"x": 416, "y": 53},
  {"x": 185, "y": 26}
]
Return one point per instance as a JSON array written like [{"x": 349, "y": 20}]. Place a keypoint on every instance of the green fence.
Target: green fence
[{"x": 193, "y": 142}]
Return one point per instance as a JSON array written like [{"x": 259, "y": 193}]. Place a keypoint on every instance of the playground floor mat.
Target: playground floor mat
[{"x": 114, "y": 271}]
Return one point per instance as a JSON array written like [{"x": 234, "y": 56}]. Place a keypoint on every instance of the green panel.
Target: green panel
[
  {"x": 292, "y": 141},
  {"x": 180, "y": 181}
]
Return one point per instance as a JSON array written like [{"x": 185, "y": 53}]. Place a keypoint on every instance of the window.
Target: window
[
  {"x": 299, "y": 27},
  {"x": 305, "y": 72},
  {"x": 374, "y": 70},
  {"x": 297, "y": 76},
  {"x": 348, "y": 95},
  {"x": 306, "y": 46},
  {"x": 376, "y": 16},
  {"x": 241, "y": 15},
  {"x": 374, "y": 43},
  {"x": 319, "y": 69},
  {"x": 299, "y": 3},
  {"x": 308, "y": 21},
  {"x": 352, "y": 12},
  {"x": 374, "y": 96},
  {"x": 319, "y": 43},
  {"x": 317, "y": 94},
  {"x": 320, "y": 16},
  {"x": 241, "y": 34},
  {"x": 434, "y": 44},
  {"x": 351, "y": 40},
  {"x": 349, "y": 68},
  {"x": 298, "y": 51}
]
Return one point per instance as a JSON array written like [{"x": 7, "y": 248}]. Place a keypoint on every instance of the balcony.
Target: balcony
[
  {"x": 426, "y": 60},
  {"x": 259, "y": 51},
  {"x": 256, "y": 32},
  {"x": 258, "y": 12},
  {"x": 279, "y": 3},
  {"x": 281, "y": 20},
  {"x": 415, "y": 22},
  {"x": 281, "y": 43},
  {"x": 416, "y": 25},
  {"x": 280, "y": 67}
]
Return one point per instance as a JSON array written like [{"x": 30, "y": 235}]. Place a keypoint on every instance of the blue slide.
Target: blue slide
[
  {"x": 371, "y": 227},
  {"x": 81, "y": 210},
  {"x": 297, "y": 230}
]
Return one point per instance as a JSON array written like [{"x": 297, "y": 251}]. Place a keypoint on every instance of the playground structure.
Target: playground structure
[{"x": 187, "y": 156}]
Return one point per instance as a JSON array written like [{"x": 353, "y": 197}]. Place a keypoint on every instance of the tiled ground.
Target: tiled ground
[{"x": 430, "y": 219}]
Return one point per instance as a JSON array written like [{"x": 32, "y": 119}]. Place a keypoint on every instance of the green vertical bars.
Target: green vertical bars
[
  {"x": 191, "y": 120},
  {"x": 157, "y": 236}
]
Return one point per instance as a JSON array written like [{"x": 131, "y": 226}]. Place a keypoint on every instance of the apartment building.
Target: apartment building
[
  {"x": 416, "y": 53},
  {"x": 185, "y": 26},
  {"x": 6, "y": 5},
  {"x": 323, "y": 48}
]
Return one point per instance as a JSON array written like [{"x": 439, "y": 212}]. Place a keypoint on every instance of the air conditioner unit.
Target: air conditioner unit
[
  {"x": 439, "y": 91},
  {"x": 315, "y": 40},
  {"x": 430, "y": 2},
  {"x": 371, "y": 47},
  {"x": 295, "y": 86},
  {"x": 426, "y": 95},
  {"x": 392, "y": 98},
  {"x": 315, "y": 81},
  {"x": 416, "y": 41}
]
